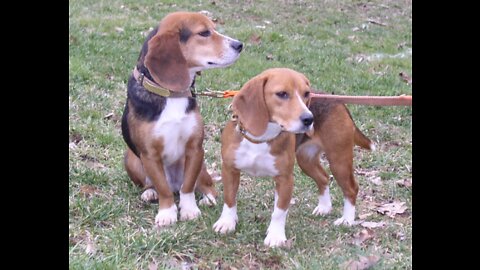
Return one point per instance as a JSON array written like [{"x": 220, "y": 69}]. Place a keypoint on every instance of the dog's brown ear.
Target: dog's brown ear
[
  {"x": 166, "y": 62},
  {"x": 250, "y": 107}
]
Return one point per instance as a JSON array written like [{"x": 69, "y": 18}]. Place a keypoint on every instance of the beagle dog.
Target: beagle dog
[
  {"x": 275, "y": 122},
  {"x": 161, "y": 123}
]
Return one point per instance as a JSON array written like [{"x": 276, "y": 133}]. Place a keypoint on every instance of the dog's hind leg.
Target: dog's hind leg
[
  {"x": 134, "y": 168},
  {"x": 206, "y": 186}
]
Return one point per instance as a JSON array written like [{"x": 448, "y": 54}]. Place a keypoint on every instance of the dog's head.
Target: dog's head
[
  {"x": 185, "y": 43},
  {"x": 276, "y": 95}
]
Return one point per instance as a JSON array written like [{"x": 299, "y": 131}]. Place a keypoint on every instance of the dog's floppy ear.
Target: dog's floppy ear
[
  {"x": 166, "y": 62},
  {"x": 250, "y": 107}
]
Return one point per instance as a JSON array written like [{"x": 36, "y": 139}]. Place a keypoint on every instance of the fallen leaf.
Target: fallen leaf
[
  {"x": 376, "y": 22},
  {"x": 362, "y": 236},
  {"x": 269, "y": 56},
  {"x": 119, "y": 29},
  {"x": 108, "y": 116},
  {"x": 255, "y": 39},
  {"x": 72, "y": 145},
  {"x": 405, "y": 78},
  {"x": 371, "y": 225},
  {"x": 88, "y": 190},
  {"x": 404, "y": 183},
  {"x": 361, "y": 264},
  {"x": 364, "y": 216},
  {"x": 376, "y": 180},
  {"x": 293, "y": 201},
  {"x": 90, "y": 249},
  {"x": 391, "y": 209}
]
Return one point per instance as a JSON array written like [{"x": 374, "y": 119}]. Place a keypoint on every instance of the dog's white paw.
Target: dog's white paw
[
  {"x": 344, "y": 221},
  {"x": 149, "y": 195},
  {"x": 275, "y": 237},
  {"x": 224, "y": 225},
  {"x": 208, "y": 200},
  {"x": 348, "y": 217},
  {"x": 322, "y": 210},
  {"x": 227, "y": 221},
  {"x": 190, "y": 213},
  {"x": 166, "y": 216},
  {"x": 188, "y": 207}
]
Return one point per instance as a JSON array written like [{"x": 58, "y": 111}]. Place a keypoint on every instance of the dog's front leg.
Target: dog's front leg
[
  {"x": 283, "y": 194},
  {"x": 228, "y": 219},
  {"x": 167, "y": 210},
  {"x": 193, "y": 163}
]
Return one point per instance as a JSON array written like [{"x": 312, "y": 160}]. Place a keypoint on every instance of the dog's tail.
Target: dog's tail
[{"x": 363, "y": 141}]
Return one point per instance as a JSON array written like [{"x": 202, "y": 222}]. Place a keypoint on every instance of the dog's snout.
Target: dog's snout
[
  {"x": 307, "y": 119},
  {"x": 236, "y": 45}
]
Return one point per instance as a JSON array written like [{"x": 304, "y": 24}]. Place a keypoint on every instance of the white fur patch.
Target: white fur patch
[
  {"x": 175, "y": 127},
  {"x": 348, "y": 217},
  {"x": 255, "y": 159},
  {"x": 188, "y": 206},
  {"x": 297, "y": 126},
  {"x": 324, "y": 203},
  {"x": 149, "y": 195},
  {"x": 227, "y": 221},
  {"x": 166, "y": 216},
  {"x": 208, "y": 200},
  {"x": 276, "y": 230}
]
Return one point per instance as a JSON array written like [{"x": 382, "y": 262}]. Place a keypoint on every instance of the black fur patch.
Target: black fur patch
[
  {"x": 147, "y": 106},
  {"x": 192, "y": 104},
  {"x": 126, "y": 131},
  {"x": 185, "y": 34}
]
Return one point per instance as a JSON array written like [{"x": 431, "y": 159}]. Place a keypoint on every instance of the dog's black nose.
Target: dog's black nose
[
  {"x": 307, "y": 119},
  {"x": 237, "y": 45}
]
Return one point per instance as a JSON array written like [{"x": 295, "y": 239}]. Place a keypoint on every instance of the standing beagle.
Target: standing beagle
[
  {"x": 268, "y": 111},
  {"x": 161, "y": 123}
]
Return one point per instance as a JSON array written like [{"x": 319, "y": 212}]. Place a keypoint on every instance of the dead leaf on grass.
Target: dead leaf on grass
[
  {"x": 269, "y": 56},
  {"x": 255, "y": 39},
  {"x": 88, "y": 190},
  {"x": 364, "y": 216},
  {"x": 392, "y": 209},
  {"x": 362, "y": 236},
  {"x": 404, "y": 183},
  {"x": 361, "y": 264},
  {"x": 376, "y": 180},
  {"x": 371, "y": 225},
  {"x": 404, "y": 76}
]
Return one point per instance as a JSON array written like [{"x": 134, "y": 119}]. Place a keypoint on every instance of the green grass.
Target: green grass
[{"x": 325, "y": 40}]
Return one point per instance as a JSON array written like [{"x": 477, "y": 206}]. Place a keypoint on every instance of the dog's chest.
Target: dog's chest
[
  {"x": 175, "y": 127},
  {"x": 255, "y": 159}
]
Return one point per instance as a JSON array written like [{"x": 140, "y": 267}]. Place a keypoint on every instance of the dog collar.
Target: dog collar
[
  {"x": 273, "y": 130},
  {"x": 155, "y": 88}
]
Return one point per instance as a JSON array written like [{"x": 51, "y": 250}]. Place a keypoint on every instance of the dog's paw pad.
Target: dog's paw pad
[
  {"x": 166, "y": 217},
  {"x": 149, "y": 195},
  {"x": 224, "y": 225},
  {"x": 344, "y": 221},
  {"x": 189, "y": 213},
  {"x": 275, "y": 240},
  {"x": 322, "y": 210},
  {"x": 208, "y": 200}
]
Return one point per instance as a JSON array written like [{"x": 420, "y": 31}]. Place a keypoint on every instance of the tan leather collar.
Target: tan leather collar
[{"x": 156, "y": 88}]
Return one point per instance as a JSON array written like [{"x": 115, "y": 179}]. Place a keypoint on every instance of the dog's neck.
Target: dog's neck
[{"x": 272, "y": 131}]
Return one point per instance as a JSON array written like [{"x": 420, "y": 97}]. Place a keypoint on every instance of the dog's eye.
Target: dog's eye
[
  {"x": 282, "y": 95},
  {"x": 205, "y": 33},
  {"x": 307, "y": 94}
]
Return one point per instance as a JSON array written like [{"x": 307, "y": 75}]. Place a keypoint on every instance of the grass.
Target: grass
[{"x": 332, "y": 43}]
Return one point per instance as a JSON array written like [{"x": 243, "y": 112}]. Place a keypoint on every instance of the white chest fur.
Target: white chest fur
[
  {"x": 175, "y": 128},
  {"x": 255, "y": 159}
]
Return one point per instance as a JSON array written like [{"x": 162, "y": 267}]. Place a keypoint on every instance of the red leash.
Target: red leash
[
  {"x": 402, "y": 100},
  {"x": 366, "y": 100}
]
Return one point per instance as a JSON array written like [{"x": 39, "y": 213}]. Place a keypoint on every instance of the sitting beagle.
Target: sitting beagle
[
  {"x": 261, "y": 141},
  {"x": 161, "y": 123}
]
